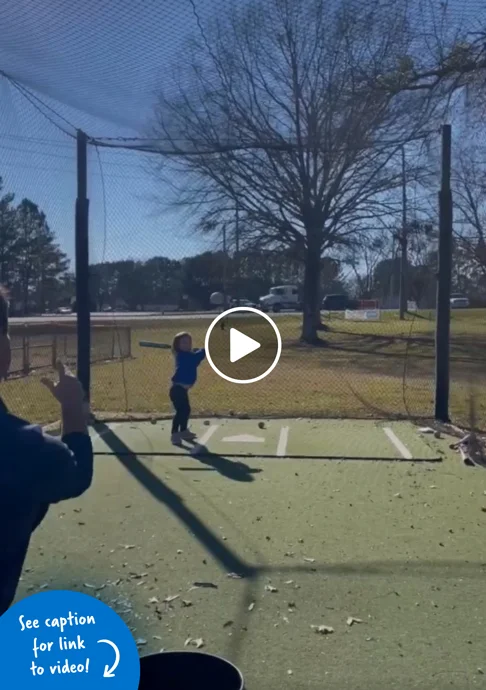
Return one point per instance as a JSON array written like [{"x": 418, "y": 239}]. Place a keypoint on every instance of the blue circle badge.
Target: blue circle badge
[{"x": 67, "y": 640}]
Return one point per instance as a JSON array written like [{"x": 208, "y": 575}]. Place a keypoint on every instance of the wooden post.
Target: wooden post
[
  {"x": 25, "y": 355},
  {"x": 54, "y": 351}
]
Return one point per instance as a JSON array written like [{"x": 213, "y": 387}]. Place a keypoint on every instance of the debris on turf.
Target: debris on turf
[
  {"x": 322, "y": 629},
  {"x": 270, "y": 588},
  {"x": 261, "y": 425},
  {"x": 171, "y": 598},
  {"x": 198, "y": 642},
  {"x": 471, "y": 449},
  {"x": 309, "y": 560},
  {"x": 251, "y": 606},
  {"x": 206, "y": 422},
  {"x": 351, "y": 620},
  {"x": 207, "y": 585},
  {"x": 141, "y": 642}
]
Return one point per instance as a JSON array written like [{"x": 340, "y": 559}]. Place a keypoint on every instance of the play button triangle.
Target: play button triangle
[{"x": 241, "y": 345}]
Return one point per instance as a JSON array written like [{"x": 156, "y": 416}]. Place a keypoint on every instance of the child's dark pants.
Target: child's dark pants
[{"x": 180, "y": 399}]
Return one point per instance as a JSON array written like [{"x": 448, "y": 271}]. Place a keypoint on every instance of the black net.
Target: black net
[{"x": 227, "y": 145}]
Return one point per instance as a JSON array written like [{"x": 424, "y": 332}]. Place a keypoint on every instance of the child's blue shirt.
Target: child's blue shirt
[{"x": 186, "y": 364}]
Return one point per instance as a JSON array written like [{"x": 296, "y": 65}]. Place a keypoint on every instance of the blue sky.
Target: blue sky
[
  {"x": 99, "y": 65},
  {"x": 106, "y": 66}
]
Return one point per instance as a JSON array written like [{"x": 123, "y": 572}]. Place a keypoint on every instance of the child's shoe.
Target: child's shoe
[
  {"x": 187, "y": 435},
  {"x": 176, "y": 439}
]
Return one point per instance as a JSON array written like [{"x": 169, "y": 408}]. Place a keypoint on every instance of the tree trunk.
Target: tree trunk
[{"x": 311, "y": 295}]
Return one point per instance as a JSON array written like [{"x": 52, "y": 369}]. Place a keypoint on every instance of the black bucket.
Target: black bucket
[{"x": 188, "y": 671}]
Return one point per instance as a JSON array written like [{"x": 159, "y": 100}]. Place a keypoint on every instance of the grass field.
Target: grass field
[
  {"x": 397, "y": 547},
  {"x": 364, "y": 369}
]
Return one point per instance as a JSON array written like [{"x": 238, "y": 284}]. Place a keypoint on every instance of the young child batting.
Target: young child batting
[{"x": 187, "y": 362}]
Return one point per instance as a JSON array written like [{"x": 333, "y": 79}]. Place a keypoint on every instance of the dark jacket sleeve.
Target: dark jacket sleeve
[{"x": 55, "y": 470}]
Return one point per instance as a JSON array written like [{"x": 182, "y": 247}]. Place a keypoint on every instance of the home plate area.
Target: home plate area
[{"x": 276, "y": 438}]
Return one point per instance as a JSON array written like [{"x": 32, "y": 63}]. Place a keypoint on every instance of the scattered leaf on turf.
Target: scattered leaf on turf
[
  {"x": 351, "y": 620},
  {"x": 197, "y": 642},
  {"x": 234, "y": 576},
  {"x": 251, "y": 606},
  {"x": 186, "y": 603},
  {"x": 170, "y": 598},
  {"x": 141, "y": 642},
  {"x": 309, "y": 560},
  {"x": 207, "y": 585},
  {"x": 323, "y": 629},
  {"x": 270, "y": 588},
  {"x": 153, "y": 600},
  {"x": 227, "y": 624},
  {"x": 128, "y": 546}
]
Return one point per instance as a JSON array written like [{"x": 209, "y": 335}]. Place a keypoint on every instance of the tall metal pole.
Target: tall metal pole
[
  {"x": 404, "y": 244},
  {"x": 237, "y": 254},
  {"x": 443, "y": 318},
  {"x": 82, "y": 265},
  {"x": 225, "y": 270}
]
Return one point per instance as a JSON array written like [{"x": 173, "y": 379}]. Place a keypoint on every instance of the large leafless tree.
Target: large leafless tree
[
  {"x": 275, "y": 113},
  {"x": 469, "y": 190}
]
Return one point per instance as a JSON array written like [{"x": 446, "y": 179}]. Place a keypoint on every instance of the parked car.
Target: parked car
[
  {"x": 459, "y": 302},
  {"x": 64, "y": 310},
  {"x": 281, "y": 297},
  {"x": 338, "y": 303}
]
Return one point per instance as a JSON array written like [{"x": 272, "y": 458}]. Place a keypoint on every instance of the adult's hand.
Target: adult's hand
[{"x": 69, "y": 392}]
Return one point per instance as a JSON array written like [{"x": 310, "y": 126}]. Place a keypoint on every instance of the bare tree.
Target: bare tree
[
  {"x": 469, "y": 189},
  {"x": 365, "y": 254},
  {"x": 274, "y": 117}
]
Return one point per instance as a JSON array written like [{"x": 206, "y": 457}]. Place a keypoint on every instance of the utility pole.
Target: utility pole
[
  {"x": 225, "y": 270},
  {"x": 403, "y": 237},
  {"x": 83, "y": 302},
  {"x": 237, "y": 254},
  {"x": 443, "y": 318}
]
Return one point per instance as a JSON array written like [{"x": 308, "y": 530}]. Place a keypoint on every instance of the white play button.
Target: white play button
[
  {"x": 256, "y": 342},
  {"x": 241, "y": 345}
]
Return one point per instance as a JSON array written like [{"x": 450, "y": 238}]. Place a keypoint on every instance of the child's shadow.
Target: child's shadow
[{"x": 237, "y": 471}]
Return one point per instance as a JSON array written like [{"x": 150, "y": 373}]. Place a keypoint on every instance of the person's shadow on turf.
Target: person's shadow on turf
[{"x": 235, "y": 470}]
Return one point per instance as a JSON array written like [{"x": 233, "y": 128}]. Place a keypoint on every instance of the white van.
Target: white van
[{"x": 281, "y": 297}]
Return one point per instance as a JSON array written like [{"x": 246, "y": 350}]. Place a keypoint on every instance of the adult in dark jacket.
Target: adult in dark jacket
[{"x": 36, "y": 469}]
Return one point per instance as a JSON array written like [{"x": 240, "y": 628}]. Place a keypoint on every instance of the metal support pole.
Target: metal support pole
[
  {"x": 83, "y": 302},
  {"x": 443, "y": 318},
  {"x": 404, "y": 244},
  {"x": 237, "y": 256},
  {"x": 225, "y": 270}
]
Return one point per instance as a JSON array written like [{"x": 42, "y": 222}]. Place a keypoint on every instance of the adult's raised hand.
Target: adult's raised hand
[{"x": 67, "y": 390}]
